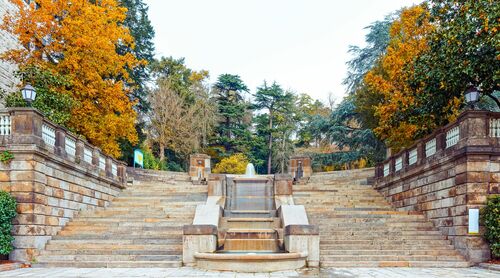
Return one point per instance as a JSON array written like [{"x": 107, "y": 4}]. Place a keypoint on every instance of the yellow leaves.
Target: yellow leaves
[
  {"x": 235, "y": 164},
  {"x": 390, "y": 77},
  {"x": 78, "y": 39}
]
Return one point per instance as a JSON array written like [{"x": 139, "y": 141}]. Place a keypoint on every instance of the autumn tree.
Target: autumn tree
[
  {"x": 463, "y": 50},
  {"x": 398, "y": 123},
  {"x": 78, "y": 40},
  {"x": 172, "y": 122}
]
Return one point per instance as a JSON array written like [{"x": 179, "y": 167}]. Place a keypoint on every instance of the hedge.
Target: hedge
[
  {"x": 7, "y": 213},
  {"x": 490, "y": 218}
]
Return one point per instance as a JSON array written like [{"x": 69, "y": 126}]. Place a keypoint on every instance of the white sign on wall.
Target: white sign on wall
[{"x": 473, "y": 221}]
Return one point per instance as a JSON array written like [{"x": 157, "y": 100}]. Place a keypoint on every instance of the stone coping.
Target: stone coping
[
  {"x": 301, "y": 230},
  {"x": 199, "y": 230}
]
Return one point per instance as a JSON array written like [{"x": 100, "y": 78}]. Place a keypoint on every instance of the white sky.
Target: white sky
[{"x": 301, "y": 44}]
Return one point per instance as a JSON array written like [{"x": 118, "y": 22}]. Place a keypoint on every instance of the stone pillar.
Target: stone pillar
[
  {"x": 300, "y": 167},
  {"x": 199, "y": 167},
  {"x": 303, "y": 239},
  {"x": 197, "y": 239},
  {"x": 216, "y": 185}
]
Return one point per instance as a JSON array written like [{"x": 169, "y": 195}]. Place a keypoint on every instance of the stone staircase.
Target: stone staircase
[
  {"x": 359, "y": 228},
  {"x": 141, "y": 228}
]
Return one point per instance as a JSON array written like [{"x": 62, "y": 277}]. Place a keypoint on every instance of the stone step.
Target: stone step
[
  {"x": 110, "y": 246},
  {"x": 383, "y": 247},
  {"x": 110, "y": 252},
  {"x": 116, "y": 236},
  {"x": 372, "y": 252},
  {"x": 112, "y": 264},
  {"x": 345, "y": 257},
  {"x": 134, "y": 241},
  {"x": 387, "y": 237},
  {"x": 383, "y": 242},
  {"x": 108, "y": 258},
  {"x": 250, "y": 245},
  {"x": 425, "y": 264}
]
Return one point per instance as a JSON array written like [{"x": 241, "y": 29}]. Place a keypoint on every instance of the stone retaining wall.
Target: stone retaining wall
[
  {"x": 459, "y": 176},
  {"x": 49, "y": 184}
]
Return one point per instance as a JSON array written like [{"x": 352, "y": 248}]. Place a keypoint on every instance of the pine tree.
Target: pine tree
[{"x": 232, "y": 132}]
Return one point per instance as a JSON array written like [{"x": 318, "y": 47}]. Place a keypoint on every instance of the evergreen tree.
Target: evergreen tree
[
  {"x": 139, "y": 25},
  {"x": 232, "y": 132},
  {"x": 275, "y": 100}
]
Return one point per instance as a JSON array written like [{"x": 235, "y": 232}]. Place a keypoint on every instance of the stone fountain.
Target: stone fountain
[{"x": 250, "y": 224}]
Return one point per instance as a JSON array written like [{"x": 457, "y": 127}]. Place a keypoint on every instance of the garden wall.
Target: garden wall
[
  {"x": 53, "y": 175},
  {"x": 446, "y": 174}
]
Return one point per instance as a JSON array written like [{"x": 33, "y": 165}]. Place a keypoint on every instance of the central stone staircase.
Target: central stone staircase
[
  {"x": 359, "y": 228},
  {"x": 141, "y": 228}
]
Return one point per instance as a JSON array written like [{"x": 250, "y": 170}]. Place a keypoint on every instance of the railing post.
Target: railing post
[
  {"x": 80, "y": 150},
  {"x": 26, "y": 126},
  {"x": 60, "y": 142}
]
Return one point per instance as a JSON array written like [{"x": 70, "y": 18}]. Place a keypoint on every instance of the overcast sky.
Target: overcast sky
[{"x": 301, "y": 44}]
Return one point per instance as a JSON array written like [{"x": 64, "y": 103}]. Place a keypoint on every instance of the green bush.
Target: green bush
[
  {"x": 490, "y": 218},
  {"x": 7, "y": 213}
]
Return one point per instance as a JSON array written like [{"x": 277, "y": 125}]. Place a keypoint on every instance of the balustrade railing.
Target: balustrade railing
[
  {"x": 482, "y": 126},
  {"x": 28, "y": 126}
]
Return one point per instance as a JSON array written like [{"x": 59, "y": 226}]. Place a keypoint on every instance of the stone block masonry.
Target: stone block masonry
[
  {"x": 53, "y": 176},
  {"x": 8, "y": 82},
  {"x": 447, "y": 173}
]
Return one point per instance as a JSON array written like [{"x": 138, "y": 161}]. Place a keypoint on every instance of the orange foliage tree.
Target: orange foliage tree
[
  {"x": 389, "y": 79},
  {"x": 78, "y": 39}
]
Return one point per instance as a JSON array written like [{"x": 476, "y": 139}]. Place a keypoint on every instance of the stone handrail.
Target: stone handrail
[
  {"x": 473, "y": 130},
  {"x": 22, "y": 128}
]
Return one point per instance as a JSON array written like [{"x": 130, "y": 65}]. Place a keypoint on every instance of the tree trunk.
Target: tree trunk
[
  {"x": 284, "y": 151},
  {"x": 270, "y": 155},
  {"x": 162, "y": 152}
]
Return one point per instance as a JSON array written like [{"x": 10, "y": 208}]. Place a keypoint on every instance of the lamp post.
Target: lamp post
[
  {"x": 29, "y": 93},
  {"x": 471, "y": 96}
]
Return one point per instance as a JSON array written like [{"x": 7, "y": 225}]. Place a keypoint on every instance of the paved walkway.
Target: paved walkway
[{"x": 190, "y": 272}]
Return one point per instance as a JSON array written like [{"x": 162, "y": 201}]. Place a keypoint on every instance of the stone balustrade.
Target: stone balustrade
[
  {"x": 54, "y": 175},
  {"x": 447, "y": 173}
]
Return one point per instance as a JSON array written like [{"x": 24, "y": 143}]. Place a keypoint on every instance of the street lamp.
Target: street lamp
[
  {"x": 471, "y": 95},
  {"x": 29, "y": 93}
]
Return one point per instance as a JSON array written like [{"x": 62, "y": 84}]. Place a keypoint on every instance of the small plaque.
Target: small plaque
[{"x": 473, "y": 221}]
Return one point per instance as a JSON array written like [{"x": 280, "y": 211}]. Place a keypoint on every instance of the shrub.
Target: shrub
[
  {"x": 7, "y": 213},
  {"x": 490, "y": 218},
  {"x": 235, "y": 164}
]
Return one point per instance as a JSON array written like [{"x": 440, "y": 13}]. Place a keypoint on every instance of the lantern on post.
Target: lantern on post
[
  {"x": 29, "y": 93},
  {"x": 471, "y": 95}
]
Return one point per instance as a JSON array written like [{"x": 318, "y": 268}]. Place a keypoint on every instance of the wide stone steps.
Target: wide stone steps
[
  {"x": 359, "y": 228},
  {"x": 112, "y": 264},
  {"x": 381, "y": 263},
  {"x": 141, "y": 228}
]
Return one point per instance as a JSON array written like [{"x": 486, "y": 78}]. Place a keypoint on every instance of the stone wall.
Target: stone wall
[
  {"x": 8, "y": 82},
  {"x": 460, "y": 175},
  {"x": 51, "y": 182}
]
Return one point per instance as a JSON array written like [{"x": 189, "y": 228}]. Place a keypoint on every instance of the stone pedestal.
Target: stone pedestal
[
  {"x": 197, "y": 239},
  {"x": 300, "y": 167},
  {"x": 199, "y": 167},
  {"x": 303, "y": 239}
]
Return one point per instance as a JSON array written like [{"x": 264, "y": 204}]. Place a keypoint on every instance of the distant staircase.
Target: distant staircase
[
  {"x": 359, "y": 228},
  {"x": 141, "y": 228}
]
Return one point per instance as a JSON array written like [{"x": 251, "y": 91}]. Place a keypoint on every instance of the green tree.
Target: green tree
[
  {"x": 177, "y": 73},
  {"x": 56, "y": 106},
  {"x": 463, "y": 50},
  {"x": 232, "y": 131},
  {"x": 377, "y": 40},
  {"x": 273, "y": 99},
  {"x": 139, "y": 25}
]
